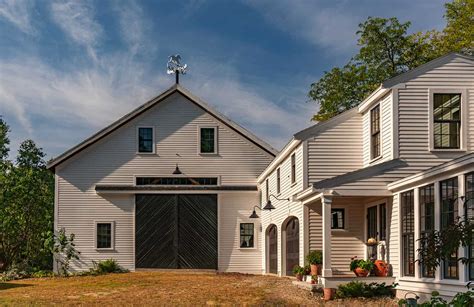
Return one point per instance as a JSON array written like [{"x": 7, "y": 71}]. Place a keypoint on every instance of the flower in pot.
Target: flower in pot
[
  {"x": 361, "y": 267},
  {"x": 299, "y": 272},
  {"x": 315, "y": 260},
  {"x": 381, "y": 268}
]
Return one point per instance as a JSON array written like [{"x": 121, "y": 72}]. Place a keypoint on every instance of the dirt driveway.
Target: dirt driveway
[{"x": 159, "y": 288}]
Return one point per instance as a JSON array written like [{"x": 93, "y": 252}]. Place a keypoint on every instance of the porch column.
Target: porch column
[{"x": 326, "y": 212}]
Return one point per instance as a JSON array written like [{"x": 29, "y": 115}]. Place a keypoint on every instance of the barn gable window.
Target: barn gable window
[
  {"x": 104, "y": 234},
  {"x": 208, "y": 140},
  {"x": 246, "y": 235},
  {"x": 375, "y": 132},
  {"x": 145, "y": 140}
]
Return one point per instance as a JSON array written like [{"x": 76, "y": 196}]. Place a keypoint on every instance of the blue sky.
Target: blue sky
[{"x": 69, "y": 68}]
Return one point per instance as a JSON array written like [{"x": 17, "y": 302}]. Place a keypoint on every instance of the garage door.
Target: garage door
[{"x": 176, "y": 231}]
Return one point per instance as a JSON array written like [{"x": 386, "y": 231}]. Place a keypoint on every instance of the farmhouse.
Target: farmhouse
[{"x": 174, "y": 184}]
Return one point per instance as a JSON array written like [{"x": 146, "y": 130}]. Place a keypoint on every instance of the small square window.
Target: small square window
[
  {"x": 337, "y": 218},
  {"x": 246, "y": 235},
  {"x": 208, "y": 137},
  {"x": 145, "y": 140},
  {"x": 104, "y": 235}
]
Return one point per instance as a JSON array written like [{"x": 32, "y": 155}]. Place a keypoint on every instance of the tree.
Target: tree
[
  {"x": 387, "y": 50},
  {"x": 4, "y": 141}
]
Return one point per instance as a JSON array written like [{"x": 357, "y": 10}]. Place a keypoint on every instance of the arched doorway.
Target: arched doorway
[
  {"x": 292, "y": 244},
  {"x": 272, "y": 249}
]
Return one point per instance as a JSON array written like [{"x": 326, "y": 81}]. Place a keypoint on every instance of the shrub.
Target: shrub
[
  {"x": 315, "y": 257},
  {"x": 108, "y": 266},
  {"x": 298, "y": 270},
  {"x": 361, "y": 263},
  {"x": 361, "y": 289}
]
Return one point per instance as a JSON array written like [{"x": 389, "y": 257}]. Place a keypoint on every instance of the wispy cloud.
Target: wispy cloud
[
  {"x": 76, "y": 20},
  {"x": 18, "y": 12}
]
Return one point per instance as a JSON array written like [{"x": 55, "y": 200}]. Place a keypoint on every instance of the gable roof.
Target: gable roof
[{"x": 145, "y": 107}]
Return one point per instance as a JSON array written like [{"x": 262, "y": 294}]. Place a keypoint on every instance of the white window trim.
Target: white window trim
[
  {"x": 255, "y": 239},
  {"x": 112, "y": 234},
  {"x": 138, "y": 141},
  {"x": 373, "y": 159},
  {"x": 463, "y": 132},
  {"x": 216, "y": 130}
]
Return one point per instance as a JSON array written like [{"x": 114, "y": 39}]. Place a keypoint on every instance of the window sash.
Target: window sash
[
  {"x": 145, "y": 139},
  {"x": 104, "y": 235},
  {"x": 267, "y": 191},
  {"x": 293, "y": 168},
  {"x": 337, "y": 219},
  {"x": 246, "y": 235},
  {"x": 427, "y": 220},
  {"x": 408, "y": 233},
  {"x": 278, "y": 181},
  {"x": 375, "y": 132},
  {"x": 447, "y": 121},
  {"x": 383, "y": 222},
  {"x": 469, "y": 214},
  {"x": 208, "y": 140}
]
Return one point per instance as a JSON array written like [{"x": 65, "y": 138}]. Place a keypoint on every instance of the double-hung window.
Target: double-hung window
[
  {"x": 278, "y": 181},
  {"x": 145, "y": 140},
  {"x": 447, "y": 121},
  {"x": 375, "y": 132},
  {"x": 104, "y": 232},
  {"x": 208, "y": 140},
  {"x": 427, "y": 220},
  {"x": 449, "y": 214},
  {"x": 293, "y": 168},
  {"x": 246, "y": 235},
  {"x": 469, "y": 203},
  {"x": 408, "y": 233}
]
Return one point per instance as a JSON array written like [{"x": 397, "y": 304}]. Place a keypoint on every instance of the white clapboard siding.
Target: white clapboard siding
[
  {"x": 413, "y": 113},
  {"x": 284, "y": 209},
  {"x": 386, "y": 132},
  {"x": 233, "y": 209},
  {"x": 336, "y": 150},
  {"x": 113, "y": 160}
]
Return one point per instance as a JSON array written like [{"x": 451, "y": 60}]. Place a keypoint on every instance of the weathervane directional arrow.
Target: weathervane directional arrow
[{"x": 175, "y": 67}]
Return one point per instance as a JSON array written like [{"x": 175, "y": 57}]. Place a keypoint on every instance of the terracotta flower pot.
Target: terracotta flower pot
[
  {"x": 299, "y": 277},
  {"x": 381, "y": 268},
  {"x": 361, "y": 272},
  {"x": 329, "y": 293},
  {"x": 315, "y": 269}
]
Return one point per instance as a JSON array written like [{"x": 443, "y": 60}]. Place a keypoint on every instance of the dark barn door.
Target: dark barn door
[
  {"x": 292, "y": 245},
  {"x": 176, "y": 231},
  {"x": 272, "y": 249}
]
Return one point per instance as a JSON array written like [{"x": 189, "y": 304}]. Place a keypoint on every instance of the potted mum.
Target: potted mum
[
  {"x": 381, "y": 268},
  {"x": 299, "y": 272},
  {"x": 315, "y": 260},
  {"x": 361, "y": 267}
]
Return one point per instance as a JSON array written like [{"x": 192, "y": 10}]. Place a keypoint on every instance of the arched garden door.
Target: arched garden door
[
  {"x": 272, "y": 249},
  {"x": 292, "y": 233}
]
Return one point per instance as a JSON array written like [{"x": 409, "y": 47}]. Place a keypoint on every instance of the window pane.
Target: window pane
[
  {"x": 145, "y": 139},
  {"x": 246, "y": 235},
  {"x": 383, "y": 222},
  {"x": 375, "y": 132},
  {"x": 426, "y": 219},
  {"x": 104, "y": 235},
  {"x": 447, "y": 120},
  {"x": 408, "y": 229},
  {"x": 469, "y": 203},
  {"x": 449, "y": 214},
  {"x": 293, "y": 168},
  {"x": 208, "y": 140},
  {"x": 337, "y": 218}
]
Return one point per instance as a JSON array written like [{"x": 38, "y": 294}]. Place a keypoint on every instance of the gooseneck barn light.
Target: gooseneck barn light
[{"x": 268, "y": 207}]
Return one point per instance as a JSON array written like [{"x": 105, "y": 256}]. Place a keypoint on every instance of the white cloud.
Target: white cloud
[
  {"x": 18, "y": 12},
  {"x": 76, "y": 20}
]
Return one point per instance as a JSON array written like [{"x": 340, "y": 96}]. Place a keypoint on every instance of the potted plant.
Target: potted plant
[
  {"x": 381, "y": 268},
  {"x": 315, "y": 260},
  {"x": 299, "y": 272},
  {"x": 314, "y": 279},
  {"x": 361, "y": 267}
]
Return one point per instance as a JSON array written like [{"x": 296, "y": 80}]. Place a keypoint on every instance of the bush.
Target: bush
[
  {"x": 361, "y": 289},
  {"x": 20, "y": 272},
  {"x": 298, "y": 270},
  {"x": 108, "y": 266},
  {"x": 315, "y": 257}
]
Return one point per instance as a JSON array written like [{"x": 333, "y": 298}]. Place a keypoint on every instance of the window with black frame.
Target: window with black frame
[
  {"x": 375, "y": 132},
  {"x": 208, "y": 140},
  {"x": 104, "y": 235},
  {"x": 246, "y": 235},
  {"x": 278, "y": 181},
  {"x": 427, "y": 219},
  {"x": 337, "y": 218},
  {"x": 469, "y": 203},
  {"x": 447, "y": 121},
  {"x": 145, "y": 140},
  {"x": 408, "y": 233},
  {"x": 293, "y": 168},
  {"x": 449, "y": 214},
  {"x": 383, "y": 222}
]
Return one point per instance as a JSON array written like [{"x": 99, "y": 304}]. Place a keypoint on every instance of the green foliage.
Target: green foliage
[
  {"x": 63, "y": 249},
  {"x": 386, "y": 50},
  {"x": 315, "y": 257},
  {"x": 298, "y": 270},
  {"x": 361, "y": 263},
  {"x": 435, "y": 301},
  {"x": 361, "y": 289},
  {"x": 461, "y": 299},
  {"x": 108, "y": 266},
  {"x": 4, "y": 141}
]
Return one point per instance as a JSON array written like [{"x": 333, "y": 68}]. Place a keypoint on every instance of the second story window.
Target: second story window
[
  {"x": 293, "y": 168},
  {"x": 447, "y": 121},
  {"x": 267, "y": 191},
  {"x": 278, "y": 181},
  {"x": 375, "y": 132},
  {"x": 208, "y": 140},
  {"x": 145, "y": 140}
]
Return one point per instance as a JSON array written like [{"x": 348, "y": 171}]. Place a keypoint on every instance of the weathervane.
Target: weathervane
[{"x": 175, "y": 67}]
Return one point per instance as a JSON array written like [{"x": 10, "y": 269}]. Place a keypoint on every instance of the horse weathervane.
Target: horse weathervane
[{"x": 175, "y": 67}]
